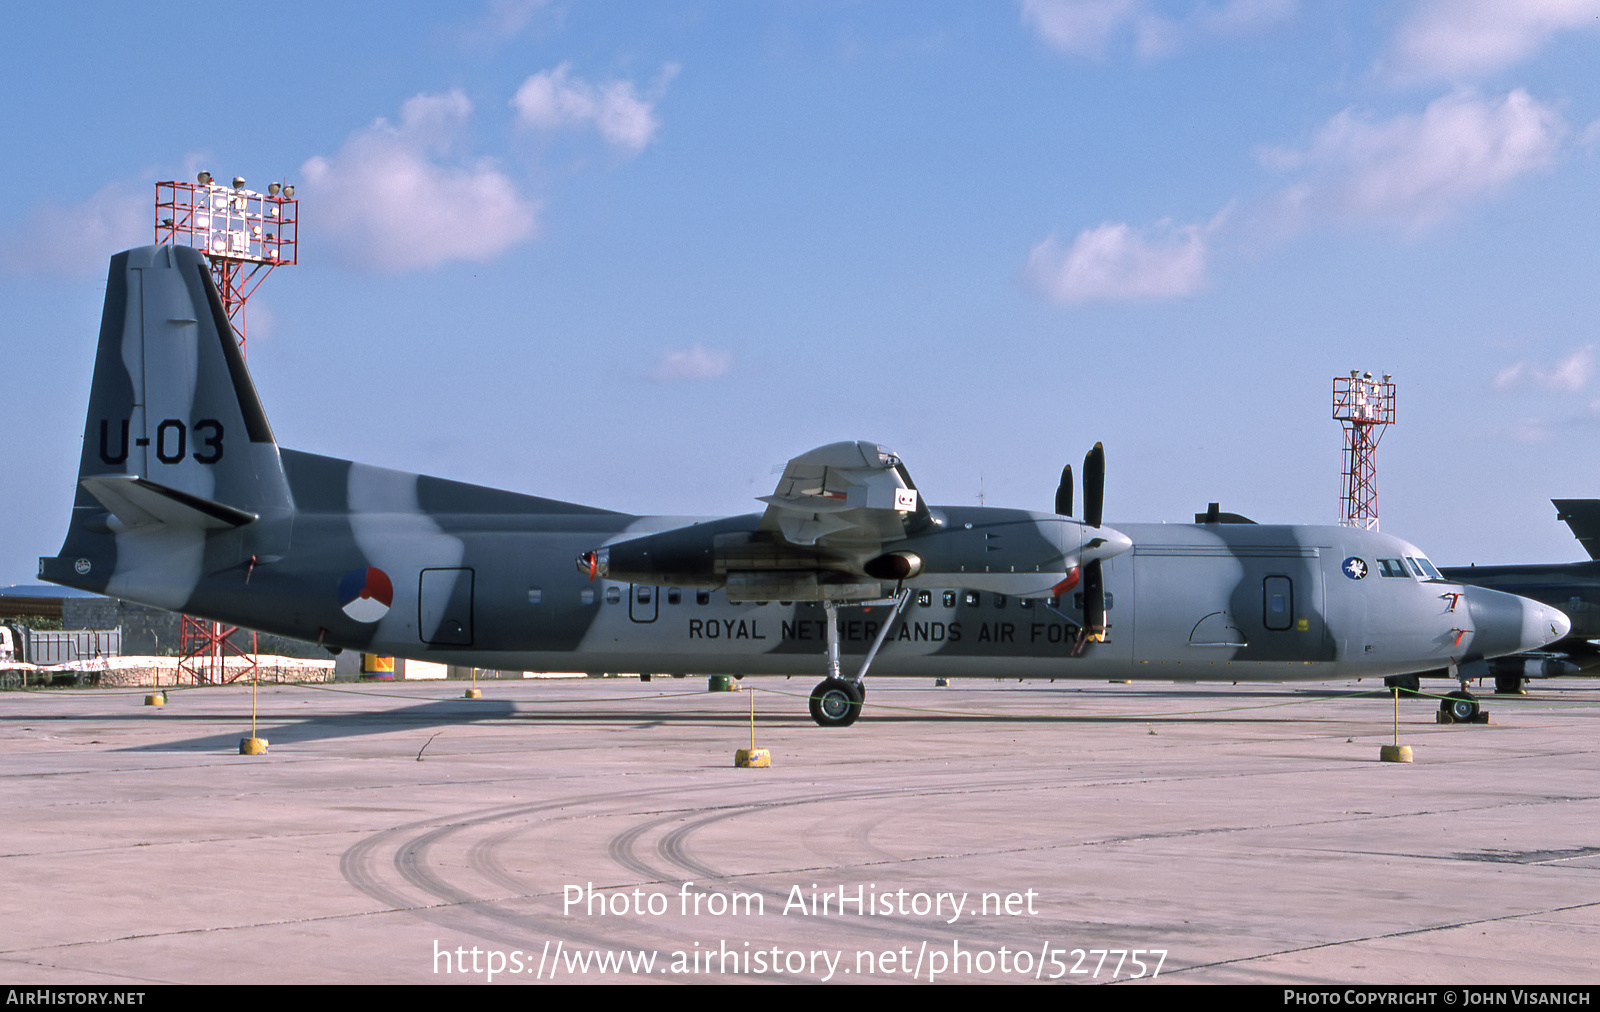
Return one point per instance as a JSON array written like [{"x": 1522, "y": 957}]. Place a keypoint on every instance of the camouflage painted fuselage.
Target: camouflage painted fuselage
[{"x": 186, "y": 502}]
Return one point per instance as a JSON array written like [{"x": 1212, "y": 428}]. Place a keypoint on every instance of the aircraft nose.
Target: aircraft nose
[
  {"x": 1554, "y": 622},
  {"x": 1507, "y": 624}
]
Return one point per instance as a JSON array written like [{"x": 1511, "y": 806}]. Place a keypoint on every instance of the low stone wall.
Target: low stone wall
[{"x": 152, "y": 672}]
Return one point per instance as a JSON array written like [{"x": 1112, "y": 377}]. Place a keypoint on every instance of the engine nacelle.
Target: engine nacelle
[{"x": 895, "y": 566}]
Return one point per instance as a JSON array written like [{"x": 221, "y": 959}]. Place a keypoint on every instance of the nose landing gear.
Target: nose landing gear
[{"x": 1461, "y": 707}]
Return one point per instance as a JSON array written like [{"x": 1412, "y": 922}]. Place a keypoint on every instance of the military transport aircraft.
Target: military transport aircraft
[
  {"x": 185, "y": 501},
  {"x": 1573, "y": 587}
]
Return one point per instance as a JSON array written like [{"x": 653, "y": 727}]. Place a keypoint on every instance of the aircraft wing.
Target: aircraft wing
[{"x": 844, "y": 495}]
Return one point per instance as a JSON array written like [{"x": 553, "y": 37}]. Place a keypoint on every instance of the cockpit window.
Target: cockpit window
[
  {"x": 1424, "y": 569},
  {"x": 1391, "y": 567}
]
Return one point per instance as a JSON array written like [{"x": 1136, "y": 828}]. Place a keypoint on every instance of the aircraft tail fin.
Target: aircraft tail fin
[
  {"x": 176, "y": 441},
  {"x": 1583, "y": 516}
]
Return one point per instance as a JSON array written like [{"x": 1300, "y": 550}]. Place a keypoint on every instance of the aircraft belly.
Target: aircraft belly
[{"x": 994, "y": 637}]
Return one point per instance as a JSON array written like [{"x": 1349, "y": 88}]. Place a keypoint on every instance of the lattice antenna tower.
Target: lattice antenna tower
[
  {"x": 244, "y": 236},
  {"x": 1366, "y": 408}
]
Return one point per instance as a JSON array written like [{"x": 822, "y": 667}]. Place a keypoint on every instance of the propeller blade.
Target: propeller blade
[
  {"x": 1094, "y": 485},
  {"x": 1064, "y": 492}
]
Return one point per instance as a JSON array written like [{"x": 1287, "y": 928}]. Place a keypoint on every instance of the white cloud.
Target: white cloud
[
  {"x": 1569, "y": 375},
  {"x": 503, "y": 20},
  {"x": 1080, "y": 27},
  {"x": 1510, "y": 376},
  {"x": 401, "y": 197},
  {"x": 695, "y": 363},
  {"x": 75, "y": 240},
  {"x": 556, "y": 100},
  {"x": 1414, "y": 171},
  {"x": 1464, "y": 39},
  {"x": 1529, "y": 430},
  {"x": 1115, "y": 262},
  {"x": 1088, "y": 28}
]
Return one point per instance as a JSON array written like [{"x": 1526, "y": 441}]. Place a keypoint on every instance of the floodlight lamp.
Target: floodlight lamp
[
  {"x": 288, "y": 191},
  {"x": 238, "y": 182},
  {"x": 273, "y": 188},
  {"x": 204, "y": 179}
]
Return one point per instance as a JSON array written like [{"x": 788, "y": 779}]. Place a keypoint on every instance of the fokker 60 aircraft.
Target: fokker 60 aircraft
[{"x": 185, "y": 501}]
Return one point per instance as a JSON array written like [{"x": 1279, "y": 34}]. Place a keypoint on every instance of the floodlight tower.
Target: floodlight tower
[
  {"x": 1366, "y": 407},
  {"x": 244, "y": 235}
]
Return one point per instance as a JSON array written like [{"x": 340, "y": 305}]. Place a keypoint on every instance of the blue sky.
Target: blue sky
[{"x": 640, "y": 254}]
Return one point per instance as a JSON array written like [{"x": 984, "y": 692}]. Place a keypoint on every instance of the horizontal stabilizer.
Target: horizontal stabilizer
[{"x": 139, "y": 502}]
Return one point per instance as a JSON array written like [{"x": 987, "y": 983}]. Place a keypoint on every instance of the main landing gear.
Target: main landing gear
[{"x": 837, "y": 701}]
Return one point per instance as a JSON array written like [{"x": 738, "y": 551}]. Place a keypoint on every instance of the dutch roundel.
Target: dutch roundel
[{"x": 366, "y": 594}]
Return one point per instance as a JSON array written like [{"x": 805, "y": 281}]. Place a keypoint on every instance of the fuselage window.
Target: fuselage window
[
  {"x": 613, "y": 595},
  {"x": 702, "y": 597},
  {"x": 535, "y": 595},
  {"x": 586, "y": 595},
  {"x": 925, "y": 598},
  {"x": 1416, "y": 568},
  {"x": 1278, "y": 602},
  {"x": 999, "y": 600},
  {"x": 970, "y": 599},
  {"x": 674, "y": 595},
  {"x": 1025, "y": 602},
  {"x": 1391, "y": 567},
  {"x": 1427, "y": 567},
  {"x": 949, "y": 599}
]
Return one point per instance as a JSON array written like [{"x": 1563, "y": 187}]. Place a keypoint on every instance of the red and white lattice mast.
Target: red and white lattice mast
[
  {"x": 1366, "y": 407},
  {"x": 244, "y": 235}
]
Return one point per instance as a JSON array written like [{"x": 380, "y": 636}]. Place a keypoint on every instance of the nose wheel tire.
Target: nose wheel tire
[
  {"x": 836, "y": 702},
  {"x": 1460, "y": 707}
]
